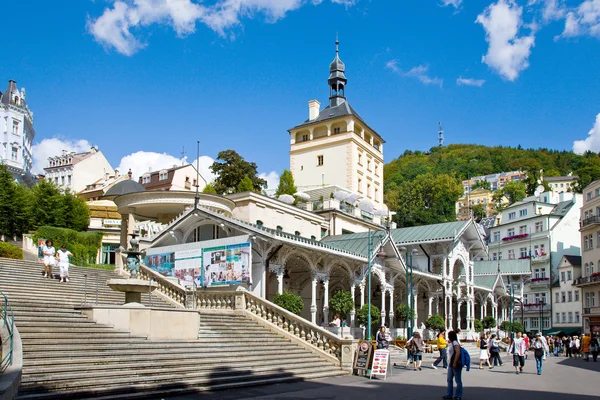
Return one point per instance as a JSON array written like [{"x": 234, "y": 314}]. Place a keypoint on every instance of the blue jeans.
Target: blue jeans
[
  {"x": 443, "y": 358},
  {"x": 454, "y": 373},
  {"x": 538, "y": 363}
]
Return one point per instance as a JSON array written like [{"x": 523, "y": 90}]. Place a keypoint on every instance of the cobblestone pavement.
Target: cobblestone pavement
[{"x": 564, "y": 379}]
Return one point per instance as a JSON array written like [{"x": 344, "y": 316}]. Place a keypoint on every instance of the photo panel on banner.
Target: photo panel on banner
[{"x": 227, "y": 265}]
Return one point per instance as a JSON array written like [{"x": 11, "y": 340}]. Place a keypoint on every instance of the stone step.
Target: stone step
[
  {"x": 94, "y": 328},
  {"x": 22, "y": 325},
  {"x": 38, "y": 335},
  {"x": 85, "y": 341},
  {"x": 19, "y": 319}
]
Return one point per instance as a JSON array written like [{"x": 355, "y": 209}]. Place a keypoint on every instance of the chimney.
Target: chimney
[
  {"x": 130, "y": 174},
  {"x": 116, "y": 172},
  {"x": 313, "y": 109}
]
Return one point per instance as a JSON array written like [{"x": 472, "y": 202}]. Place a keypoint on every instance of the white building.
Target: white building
[
  {"x": 566, "y": 298},
  {"x": 335, "y": 146},
  {"x": 541, "y": 232},
  {"x": 74, "y": 171},
  {"x": 16, "y": 128},
  {"x": 560, "y": 184},
  {"x": 182, "y": 177}
]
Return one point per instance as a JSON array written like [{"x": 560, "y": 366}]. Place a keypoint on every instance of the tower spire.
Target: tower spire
[
  {"x": 440, "y": 136},
  {"x": 337, "y": 79}
]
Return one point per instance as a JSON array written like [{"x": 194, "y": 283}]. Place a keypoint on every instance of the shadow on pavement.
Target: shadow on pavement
[{"x": 580, "y": 363}]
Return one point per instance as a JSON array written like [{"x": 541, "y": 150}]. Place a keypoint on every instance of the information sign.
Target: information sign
[
  {"x": 362, "y": 358},
  {"x": 381, "y": 361}
]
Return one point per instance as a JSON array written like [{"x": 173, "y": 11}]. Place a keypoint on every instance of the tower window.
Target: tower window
[
  {"x": 15, "y": 127},
  {"x": 304, "y": 138},
  {"x": 336, "y": 130},
  {"x": 14, "y": 153},
  {"x": 319, "y": 160}
]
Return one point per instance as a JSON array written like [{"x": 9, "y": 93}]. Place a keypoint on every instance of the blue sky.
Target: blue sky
[{"x": 143, "y": 78}]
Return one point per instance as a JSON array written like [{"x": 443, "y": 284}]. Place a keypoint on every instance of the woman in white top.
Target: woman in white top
[
  {"x": 49, "y": 260},
  {"x": 454, "y": 369},
  {"x": 63, "y": 263}
]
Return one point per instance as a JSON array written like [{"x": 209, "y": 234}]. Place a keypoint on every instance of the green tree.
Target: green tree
[
  {"x": 517, "y": 327},
  {"x": 286, "y": 184},
  {"x": 14, "y": 205},
  {"x": 478, "y": 325},
  {"x": 435, "y": 322},
  {"x": 362, "y": 315},
  {"x": 514, "y": 191},
  {"x": 47, "y": 205},
  {"x": 489, "y": 322},
  {"x": 230, "y": 169},
  {"x": 289, "y": 301},
  {"x": 342, "y": 303},
  {"x": 482, "y": 184},
  {"x": 209, "y": 188},
  {"x": 478, "y": 211},
  {"x": 77, "y": 213},
  {"x": 405, "y": 313},
  {"x": 245, "y": 185}
]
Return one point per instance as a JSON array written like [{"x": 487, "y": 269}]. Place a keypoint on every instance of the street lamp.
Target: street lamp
[
  {"x": 410, "y": 292},
  {"x": 542, "y": 302}
]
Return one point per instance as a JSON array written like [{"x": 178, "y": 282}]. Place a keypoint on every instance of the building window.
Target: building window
[
  {"x": 593, "y": 299},
  {"x": 376, "y": 196},
  {"x": 522, "y": 229},
  {"x": 557, "y": 318},
  {"x": 546, "y": 322},
  {"x": 591, "y": 241},
  {"x": 279, "y": 228},
  {"x": 539, "y": 226},
  {"x": 523, "y": 252},
  {"x": 336, "y": 130},
  {"x": 259, "y": 223},
  {"x": 368, "y": 165},
  {"x": 592, "y": 267},
  {"x": 570, "y": 317},
  {"x": 576, "y": 295},
  {"x": 589, "y": 195},
  {"x": 494, "y": 256},
  {"x": 56, "y": 180},
  {"x": 512, "y": 215},
  {"x": 162, "y": 175},
  {"x": 305, "y": 138},
  {"x": 556, "y": 297},
  {"x": 522, "y": 213},
  {"x": 536, "y": 273},
  {"x": 359, "y": 185},
  {"x": 62, "y": 180},
  {"x": 586, "y": 244},
  {"x": 15, "y": 129},
  {"x": 587, "y": 300},
  {"x": 496, "y": 236},
  {"x": 377, "y": 173},
  {"x": 587, "y": 269},
  {"x": 511, "y": 232},
  {"x": 577, "y": 317},
  {"x": 14, "y": 153},
  {"x": 564, "y": 317},
  {"x": 511, "y": 254},
  {"x": 563, "y": 297},
  {"x": 313, "y": 237},
  {"x": 359, "y": 159},
  {"x": 563, "y": 276},
  {"x": 319, "y": 160},
  {"x": 69, "y": 180},
  {"x": 569, "y": 276},
  {"x": 570, "y": 296},
  {"x": 145, "y": 179},
  {"x": 368, "y": 190}
]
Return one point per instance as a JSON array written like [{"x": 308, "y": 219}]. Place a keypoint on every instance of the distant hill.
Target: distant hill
[{"x": 464, "y": 161}]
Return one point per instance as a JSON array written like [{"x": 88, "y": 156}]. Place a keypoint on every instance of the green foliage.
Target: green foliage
[
  {"x": 286, "y": 184},
  {"x": 230, "y": 169},
  {"x": 76, "y": 212},
  {"x": 514, "y": 191},
  {"x": 435, "y": 322},
  {"x": 489, "y": 322},
  {"x": 482, "y": 184},
  {"x": 8, "y": 250},
  {"x": 209, "y": 188},
  {"x": 245, "y": 185},
  {"x": 478, "y": 325},
  {"x": 289, "y": 301},
  {"x": 342, "y": 303},
  {"x": 83, "y": 245},
  {"x": 405, "y": 312},
  {"x": 362, "y": 315},
  {"x": 478, "y": 211},
  {"x": 516, "y": 326},
  {"x": 14, "y": 209},
  {"x": 108, "y": 267}
]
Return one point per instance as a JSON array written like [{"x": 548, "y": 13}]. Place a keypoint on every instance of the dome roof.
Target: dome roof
[
  {"x": 125, "y": 187},
  {"x": 337, "y": 65}
]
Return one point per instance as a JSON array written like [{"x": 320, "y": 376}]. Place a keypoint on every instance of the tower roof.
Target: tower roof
[{"x": 337, "y": 66}]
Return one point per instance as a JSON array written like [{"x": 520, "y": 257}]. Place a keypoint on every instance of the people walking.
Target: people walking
[
  {"x": 441, "y": 345},
  {"x": 540, "y": 348},
  {"x": 416, "y": 350},
  {"x": 527, "y": 344},
  {"x": 484, "y": 355},
  {"x": 494, "y": 347},
  {"x": 585, "y": 346},
  {"x": 63, "y": 263},
  {"x": 517, "y": 349},
  {"x": 575, "y": 346},
  {"x": 594, "y": 348},
  {"x": 49, "y": 258},
  {"x": 455, "y": 369},
  {"x": 567, "y": 346}
]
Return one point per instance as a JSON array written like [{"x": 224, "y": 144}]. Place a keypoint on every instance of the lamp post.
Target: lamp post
[
  {"x": 409, "y": 289},
  {"x": 542, "y": 303}
]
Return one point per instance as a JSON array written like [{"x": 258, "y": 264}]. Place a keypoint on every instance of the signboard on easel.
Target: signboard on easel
[
  {"x": 362, "y": 358},
  {"x": 381, "y": 363}
]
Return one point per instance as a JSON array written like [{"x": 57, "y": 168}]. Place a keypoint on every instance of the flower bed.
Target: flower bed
[{"x": 514, "y": 237}]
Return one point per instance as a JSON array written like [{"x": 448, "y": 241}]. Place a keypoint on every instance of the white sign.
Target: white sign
[
  {"x": 111, "y": 222},
  {"x": 188, "y": 266},
  {"x": 381, "y": 363}
]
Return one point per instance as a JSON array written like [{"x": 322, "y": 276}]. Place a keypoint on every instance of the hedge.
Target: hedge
[
  {"x": 83, "y": 245},
  {"x": 8, "y": 250}
]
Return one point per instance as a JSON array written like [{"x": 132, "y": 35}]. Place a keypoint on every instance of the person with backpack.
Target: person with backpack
[
  {"x": 455, "y": 368},
  {"x": 517, "y": 349},
  {"x": 416, "y": 350},
  {"x": 540, "y": 348},
  {"x": 494, "y": 347}
]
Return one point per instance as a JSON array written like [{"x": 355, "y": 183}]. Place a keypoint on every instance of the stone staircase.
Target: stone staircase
[{"x": 66, "y": 356}]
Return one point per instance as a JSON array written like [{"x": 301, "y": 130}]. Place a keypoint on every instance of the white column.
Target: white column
[
  {"x": 437, "y": 305},
  {"x": 362, "y": 295},
  {"x": 391, "y": 312},
  {"x": 382, "y": 314},
  {"x": 450, "y": 319},
  {"x": 414, "y": 307},
  {"x": 280, "y": 281},
  {"x": 313, "y": 302},
  {"x": 326, "y": 301},
  {"x": 352, "y": 312},
  {"x": 468, "y": 315},
  {"x": 430, "y": 306},
  {"x": 484, "y": 311},
  {"x": 458, "y": 319}
]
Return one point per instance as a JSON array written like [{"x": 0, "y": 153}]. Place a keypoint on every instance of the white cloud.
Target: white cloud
[
  {"x": 54, "y": 147},
  {"x": 592, "y": 142},
  {"x": 272, "y": 179},
  {"x": 469, "y": 82},
  {"x": 141, "y": 162},
  {"x": 454, "y": 3},
  {"x": 114, "y": 27},
  {"x": 583, "y": 20},
  {"x": 204, "y": 163},
  {"x": 507, "y": 53},
  {"x": 420, "y": 72}
]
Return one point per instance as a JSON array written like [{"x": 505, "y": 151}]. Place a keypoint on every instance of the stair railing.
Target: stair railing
[
  {"x": 169, "y": 290},
  {"x": 8, "y": 320},
  {"x": 311, "y": 336}
]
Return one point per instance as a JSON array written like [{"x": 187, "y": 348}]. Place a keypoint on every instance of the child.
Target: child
[
  {"x": 63, "y": 263},
  {"x": 49, "y": 259}
]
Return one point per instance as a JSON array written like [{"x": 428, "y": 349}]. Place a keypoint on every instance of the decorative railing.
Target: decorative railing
[
  {"x": 171, "y": 290},
  {"x": 7, "y": 318},
  {"x": 515, "y": 237},
  {"x": 594, "y": 219},
  {"x": 594, "y": 278},
  {"x": 540, "y": 259},
  {"x": 305, "y": 332}
]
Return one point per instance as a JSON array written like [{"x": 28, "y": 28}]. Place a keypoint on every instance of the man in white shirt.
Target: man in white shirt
[
  {"x": 518, "y": 348},
  {"x": 63, "y": 263}
]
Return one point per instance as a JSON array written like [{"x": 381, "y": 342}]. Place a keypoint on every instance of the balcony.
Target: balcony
[
  {"x": 587, "y": 311},
  {"x": 520, "y": 236},
  {"x": 539, "y": 282},
  {"x": 536, "y": 307},
  {"x": 540, "y": 259},
  {"x": 593, "y": 220},
  {"x": 588, "y": 280}
]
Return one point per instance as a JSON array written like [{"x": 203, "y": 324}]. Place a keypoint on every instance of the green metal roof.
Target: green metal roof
[
  {"x": 486, "y": 281},
  {"x": 429, "y": 233},
  {"x": 507, "y": 267},
  {"x": 354, "y": 242}
]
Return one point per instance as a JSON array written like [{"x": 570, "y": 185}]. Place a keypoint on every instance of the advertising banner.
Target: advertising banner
[
  {"x": 227, "y": 265},
  {"x": 188, "y": 266},
  {"x": 162, "y": 263},
  {"x": 381, "y": 359}
]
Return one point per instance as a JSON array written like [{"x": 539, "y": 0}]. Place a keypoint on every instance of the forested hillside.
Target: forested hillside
[{"x": 423, "y": 187}]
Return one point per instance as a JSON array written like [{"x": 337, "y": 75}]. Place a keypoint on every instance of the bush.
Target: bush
[
  {"x": 342, "y": 303},
  {"x": 516, "y": 326},
  {"x": 478, "y": 325},
  {"x": 489, "y": 322},
  {"x": 288, "y": 300},
  {"x": 8, "y": 250},
  {"x": 83, "y": 245},
  {"x": 404, "y": 312},
  {"x": 435, "y": 322},
  {"x": 362, "y": 315}
]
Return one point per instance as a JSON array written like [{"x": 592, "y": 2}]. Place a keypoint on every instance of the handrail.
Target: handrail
[
  {"x": 311, "y": 335},
  {"x": 7, "y": 316},
  {"x": 173, "y": 291}
]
